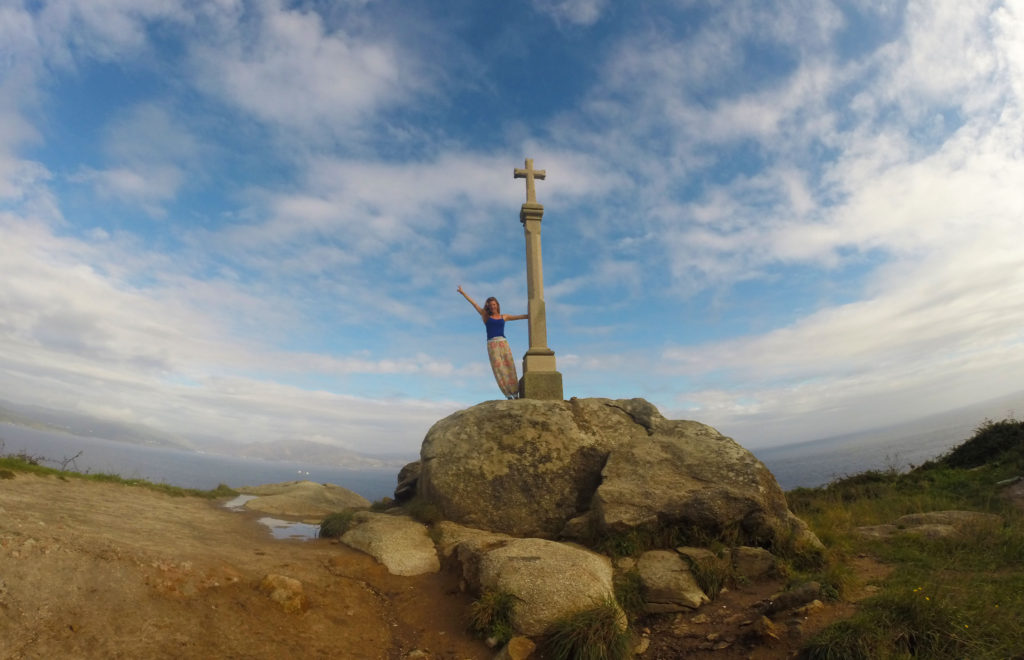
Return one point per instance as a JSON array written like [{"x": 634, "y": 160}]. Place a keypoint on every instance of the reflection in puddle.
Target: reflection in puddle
[
  {"x": 286, "y": 529},
  {"x": 281, "y": 529}
]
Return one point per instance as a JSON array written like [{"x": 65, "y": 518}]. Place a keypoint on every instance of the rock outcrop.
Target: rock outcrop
[
  {"x": 566, "y": 469},
  {"x": 305, "y": 500}
]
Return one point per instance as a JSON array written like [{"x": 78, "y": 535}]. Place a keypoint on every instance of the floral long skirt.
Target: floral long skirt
[{"x": 504, "y": 366}]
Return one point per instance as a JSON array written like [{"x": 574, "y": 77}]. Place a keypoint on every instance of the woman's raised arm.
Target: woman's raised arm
[{"x": 472, "y": 302}]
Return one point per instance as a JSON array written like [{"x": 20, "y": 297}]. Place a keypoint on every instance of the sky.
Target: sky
[{"x": 246, "y": 220}]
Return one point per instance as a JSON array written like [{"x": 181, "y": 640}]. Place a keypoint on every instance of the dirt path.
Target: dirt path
[{"x": 92, "y": 570}]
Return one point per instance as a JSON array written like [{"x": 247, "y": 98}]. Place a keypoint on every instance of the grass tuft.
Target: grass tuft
[
  {"x": 490, "y": 616},
  {"x": 593, "y": 634},
  {"x": 633, "y": 542},
  {"x": 712, "y": 574},
  {"x": 629, "y": 592}
]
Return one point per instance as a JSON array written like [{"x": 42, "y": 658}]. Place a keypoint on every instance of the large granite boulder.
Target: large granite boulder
[{"x": 557, "y": 469}]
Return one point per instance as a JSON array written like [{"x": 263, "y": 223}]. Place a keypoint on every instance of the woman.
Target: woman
[{"x": 502, "y": 363}]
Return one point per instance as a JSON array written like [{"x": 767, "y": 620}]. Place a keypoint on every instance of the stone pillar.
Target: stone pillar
[{"x": 540, "y": 380}]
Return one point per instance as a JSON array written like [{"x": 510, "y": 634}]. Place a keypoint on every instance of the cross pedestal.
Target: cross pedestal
[{"x": 541, "y": 379}]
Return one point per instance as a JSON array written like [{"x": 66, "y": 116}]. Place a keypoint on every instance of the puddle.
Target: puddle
[
  {"x": 280, "y": 529},
  {"x": 239, "y": 502},
  {"x": 286, "y": 529}
]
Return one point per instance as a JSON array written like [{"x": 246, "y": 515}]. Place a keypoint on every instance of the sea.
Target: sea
[
  {"x": 186, "y": 469},
  {"x": 818, "y": 462},
  {"x": 806, "y": 464}
]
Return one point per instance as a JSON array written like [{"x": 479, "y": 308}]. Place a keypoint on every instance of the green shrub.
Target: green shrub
[
  {"x": 992, "y": 442},
  {"x": 490, "y": 616},
  {"x": 593, "y": 634},
  {"x": 425, "y": 512},
  {"x": 223, "y": 490},
  {"x": 336, "y": 524}
]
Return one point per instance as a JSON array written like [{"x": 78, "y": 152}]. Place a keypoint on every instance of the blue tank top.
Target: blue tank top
[{"x": 495, "y": 327}]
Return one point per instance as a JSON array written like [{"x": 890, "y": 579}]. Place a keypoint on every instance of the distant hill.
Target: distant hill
[
  {"x": 305, "y": 451},
  {"x": 64, "y": 421},
  {"x": 293, "y": 450}
]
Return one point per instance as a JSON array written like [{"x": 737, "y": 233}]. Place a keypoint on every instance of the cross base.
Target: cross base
[{"x": 543, "y": 385}]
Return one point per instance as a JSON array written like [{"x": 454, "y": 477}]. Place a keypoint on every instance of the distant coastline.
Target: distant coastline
[
  {"x": 805, "y": 464},
  {"x": 815, "y": 463},
  {"x": 185, "y": 468}
]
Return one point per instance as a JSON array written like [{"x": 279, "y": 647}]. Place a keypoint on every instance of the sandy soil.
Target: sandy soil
[{"x": 92, "y": 570}]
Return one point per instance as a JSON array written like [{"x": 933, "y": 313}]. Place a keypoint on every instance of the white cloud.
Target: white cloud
[
  {"x": 930, "y": 327},
  {"x": 149, "y": 187},
  {"x": 946, "y": 56},
  {"x": 577, "y": 12},
  {"x": 103, "y": 29},
  {"x": 287, "y": 67},
  {"x": 77, "y": 333},
  {"x": 152, "y": 156}
]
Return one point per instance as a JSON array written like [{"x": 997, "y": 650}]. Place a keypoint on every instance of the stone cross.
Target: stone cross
[
  {"x": 529, "y": 174},
  {"x": 541, "y": 379}
]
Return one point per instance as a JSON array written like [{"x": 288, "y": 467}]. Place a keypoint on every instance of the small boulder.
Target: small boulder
[
  {"x": 518, "y": 648},
  {"x": 399, "y": 542},
  {"x": 796, "y": 597},
  {"x": 285, "y": 591},
  {"x": 549, "y": 580},
  {"x": 669, "y": 586},
  {"x": 753, "y": 563}
]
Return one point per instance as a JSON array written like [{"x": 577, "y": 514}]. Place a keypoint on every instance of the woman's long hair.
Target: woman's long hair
[{"x": 488, "y": 302}]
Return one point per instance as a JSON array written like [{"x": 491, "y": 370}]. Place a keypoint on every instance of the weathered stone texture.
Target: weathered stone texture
[{"x": 565, "y": 469}]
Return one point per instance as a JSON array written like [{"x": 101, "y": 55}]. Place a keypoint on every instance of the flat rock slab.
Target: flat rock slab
[
  {"x": 933, "y": 524},
  {"x": 400, "y": 543},
  {"x": 304, "y": 500}
]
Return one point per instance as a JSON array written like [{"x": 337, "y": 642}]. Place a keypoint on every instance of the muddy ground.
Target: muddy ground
[{"x": 98, "y": 570}]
